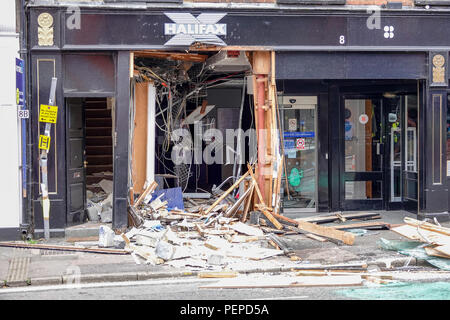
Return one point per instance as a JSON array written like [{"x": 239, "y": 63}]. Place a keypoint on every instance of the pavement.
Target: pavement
[{"x": 33, "y": 267}]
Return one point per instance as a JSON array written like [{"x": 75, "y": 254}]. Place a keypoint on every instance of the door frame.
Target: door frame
[
  {"x": 367, "y": 204},
  {"x": 307, "y": 102}
]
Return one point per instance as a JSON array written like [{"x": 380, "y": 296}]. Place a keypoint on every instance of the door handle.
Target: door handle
[{"x": 85, "y": 163}]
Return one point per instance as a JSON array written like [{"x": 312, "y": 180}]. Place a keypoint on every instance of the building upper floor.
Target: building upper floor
[{"x": 426, "y": 5}]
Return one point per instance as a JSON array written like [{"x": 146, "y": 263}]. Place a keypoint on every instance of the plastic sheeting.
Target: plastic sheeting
[{"x": 414, "y": 249}]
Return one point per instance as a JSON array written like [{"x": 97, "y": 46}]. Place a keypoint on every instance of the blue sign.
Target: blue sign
[
  {"x": 20, "y": 82},
  {"x": 301, "y": 134}
]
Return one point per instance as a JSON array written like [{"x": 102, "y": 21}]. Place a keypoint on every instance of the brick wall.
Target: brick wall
[
  {"x": 233, "y": 1},
  {"x": 408, "y": 3}
]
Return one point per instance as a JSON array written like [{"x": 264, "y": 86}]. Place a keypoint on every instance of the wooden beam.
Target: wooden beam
[
  {"x": 427, "y": 226},
  {"x": 363, "y": 225},
  {"x": 61, "y": 248},
  {"x": 261, "y": 200},
  {"x": 226, "y": 193},
  {"x": 333, "y": 217},
  {"x": 248, "y": 202},
  {"x": 346, "y": 237},
  {"x": 139, "y": 154},
  {"x": 261, "y": 62},
  {"x": 143, "y": 195},
  {"x": 328, "y": 232},
  {"x": 258, "y": 191},
  {"x": 191, "y": 57}
]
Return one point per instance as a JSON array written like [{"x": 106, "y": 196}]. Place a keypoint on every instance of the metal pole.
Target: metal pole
[{"x": 44, "y": 169}]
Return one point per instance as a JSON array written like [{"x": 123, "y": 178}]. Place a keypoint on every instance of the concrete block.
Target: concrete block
[
  {"x": 46, "y": 281},
  {"x": 104, "y": 277},
  {"x": 18, "y": 283},
  {"x": 83, "y": 231}
]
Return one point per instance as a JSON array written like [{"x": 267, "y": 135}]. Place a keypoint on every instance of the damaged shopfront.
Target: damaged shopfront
[{"x": 332, "y": 117}]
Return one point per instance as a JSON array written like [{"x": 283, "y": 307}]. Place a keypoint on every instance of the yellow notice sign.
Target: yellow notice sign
[
  {"x": 48, "y": 113},
  {"x": 44, "y": 142}
]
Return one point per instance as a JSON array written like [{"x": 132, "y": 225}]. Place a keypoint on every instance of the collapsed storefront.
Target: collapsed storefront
[{"x": 362, "y": 114}]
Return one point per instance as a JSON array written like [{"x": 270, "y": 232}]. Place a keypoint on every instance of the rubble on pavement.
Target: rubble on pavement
[{"x": 224, "y": 232}]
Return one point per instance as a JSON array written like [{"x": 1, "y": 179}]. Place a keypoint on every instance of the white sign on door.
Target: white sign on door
[{"x": 292, "y": 124}]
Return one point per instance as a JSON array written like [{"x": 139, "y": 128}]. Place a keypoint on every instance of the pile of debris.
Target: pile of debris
[
  {"x": 202, "y": 236},
  {"x": 99, "y": 201},
  {"x": 218, "y": 232},
  {"x": 435, "y": 237}
]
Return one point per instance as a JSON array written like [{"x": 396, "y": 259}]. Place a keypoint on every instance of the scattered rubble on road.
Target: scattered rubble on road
[{"x": 221, "y": 235}]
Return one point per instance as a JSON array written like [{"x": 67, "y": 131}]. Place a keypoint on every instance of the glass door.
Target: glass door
[
  {"x": 393, "y": 110},
  {"x": 410, "y": 168},
  {"x": 299, "y": 122},
  {"x": 362, "y": 160}
]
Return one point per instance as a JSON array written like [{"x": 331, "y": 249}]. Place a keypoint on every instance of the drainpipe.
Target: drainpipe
[
  {"x": 260, "y": 81},
  {"x": 27, "y": 213}
]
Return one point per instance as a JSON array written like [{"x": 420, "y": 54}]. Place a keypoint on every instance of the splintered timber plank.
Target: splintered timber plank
[
  {"x": 62, "y": 248},
  {"x": 348, "y": 216},
  {"x": 148, "y": 190},
  {"x": 248, "y": 202},
  {"x": 268, "y": 215},
  {"x": 431, "y": 251},
  {"x": 346, "y": 237},
  {"x": 233, "y": 209},
  {"x": 443, "y": 250},
  {"x": 427, "y": 226},
  {"x": 363, "y": 225},
  {"x": 328, "y": 232},
  {"x": 226, "y": 193},
  {"x": 417, "y": 233},
  {"x": 315, "y": 237}
]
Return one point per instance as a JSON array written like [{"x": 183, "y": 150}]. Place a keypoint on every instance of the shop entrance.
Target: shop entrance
[
  {"x": 379, "y": 158},
  {"x": 89, "y": 152},
  {"x": 299, "y": 123}
]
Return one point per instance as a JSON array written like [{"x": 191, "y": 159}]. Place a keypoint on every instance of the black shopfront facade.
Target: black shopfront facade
[{"x": 380, "y": 97}]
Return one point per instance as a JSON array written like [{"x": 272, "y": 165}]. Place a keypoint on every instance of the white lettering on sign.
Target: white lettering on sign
[
  {"x": 188, "y": 29},
  {"x": 195, "y": 29}
]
